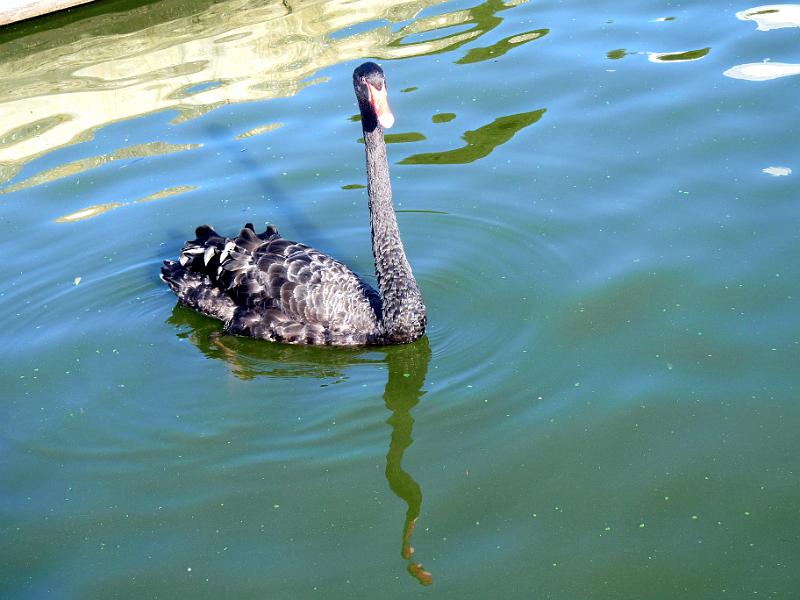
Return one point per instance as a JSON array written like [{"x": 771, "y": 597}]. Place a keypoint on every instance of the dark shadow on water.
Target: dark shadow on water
[
  {"x": 407, "y": 367},
  {"x": 294, "y": 224}
]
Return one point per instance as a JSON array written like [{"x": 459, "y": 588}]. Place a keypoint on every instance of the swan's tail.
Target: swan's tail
[
  {"x": 194, "y": 276},
  {"x": 205, "y": 253},
  {"x": 196, "y": 291}
]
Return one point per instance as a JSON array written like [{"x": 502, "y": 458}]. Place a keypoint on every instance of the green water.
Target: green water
[{"x": 600, "y": 203}]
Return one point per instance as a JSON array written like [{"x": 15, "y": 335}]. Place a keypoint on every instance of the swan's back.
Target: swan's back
[{"x": 264, "y": 286}]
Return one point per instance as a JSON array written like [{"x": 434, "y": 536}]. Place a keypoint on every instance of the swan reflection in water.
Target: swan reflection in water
[{"x": 407, "y": 368}]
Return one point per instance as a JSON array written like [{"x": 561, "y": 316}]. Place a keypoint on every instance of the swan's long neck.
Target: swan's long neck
[{"x": 403, "y": 308}]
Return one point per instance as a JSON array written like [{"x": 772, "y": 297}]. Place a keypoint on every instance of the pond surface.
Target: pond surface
[{"x": 600, "y": 203}]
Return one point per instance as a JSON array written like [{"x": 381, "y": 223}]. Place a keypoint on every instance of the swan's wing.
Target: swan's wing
[
  {"x": 305, "y": 284},
  {"x": 268, "y": 287},
  {"x": 311, "y": 287}
]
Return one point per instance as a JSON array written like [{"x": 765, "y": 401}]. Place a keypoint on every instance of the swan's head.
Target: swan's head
[{"x": 369, "y": 83}]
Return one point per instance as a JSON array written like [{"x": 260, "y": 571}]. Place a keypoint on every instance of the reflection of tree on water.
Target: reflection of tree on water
[
  {"x": 407, "y": 366},
  {"x": 482, "y": 17},
  {"x": 480, "y": 142},
  {"x": 193, "y": 56}
]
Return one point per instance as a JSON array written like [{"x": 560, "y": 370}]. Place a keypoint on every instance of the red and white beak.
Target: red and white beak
[{"x": 380, "y": 104}]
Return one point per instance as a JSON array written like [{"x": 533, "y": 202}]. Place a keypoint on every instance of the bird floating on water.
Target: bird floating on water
[{"x": 263, "y": 286}]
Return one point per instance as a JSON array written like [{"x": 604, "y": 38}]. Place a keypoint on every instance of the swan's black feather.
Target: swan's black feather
[{"x": 267, "y": 287}]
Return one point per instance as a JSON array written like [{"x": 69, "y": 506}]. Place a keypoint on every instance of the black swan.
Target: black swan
[{"x": 263, "y": 286}]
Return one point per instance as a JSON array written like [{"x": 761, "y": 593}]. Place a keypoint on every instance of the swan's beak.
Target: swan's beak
[{"x": 380, "y": 104}]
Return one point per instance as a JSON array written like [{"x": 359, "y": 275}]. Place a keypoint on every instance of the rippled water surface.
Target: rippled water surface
[{"x": 600, "y": 203}]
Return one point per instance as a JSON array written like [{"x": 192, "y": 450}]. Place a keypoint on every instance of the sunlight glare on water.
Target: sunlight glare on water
[{"x": 600, "y": 204}]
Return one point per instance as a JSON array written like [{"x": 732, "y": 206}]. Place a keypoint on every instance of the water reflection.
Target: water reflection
[
  {"x": 192, "y": 57},
  {"x": 407, "y": 368},
  {"x": 618, "y": 54},
  {"x": 443, "y": 117},
  {"x": 501, "y": 47},
  {"x": 483, "y": 19},
  {"x": 763, "y": 71},
  {"x": 98, "y": 209},
  {"x": 687, "y": 56},
  {"x": 400, "y": 138},
  {"x": 259, "y": 130},
  {"x": 777, "y": 171},
  {"x": 772, "y": 16},
  {"x": 480, "y": 142},
  {"x": 130, "y": 153}
]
